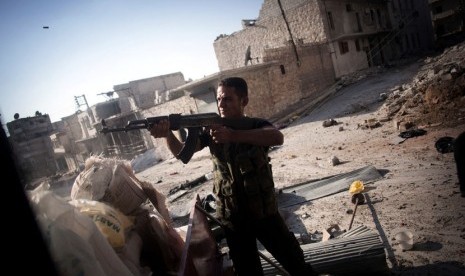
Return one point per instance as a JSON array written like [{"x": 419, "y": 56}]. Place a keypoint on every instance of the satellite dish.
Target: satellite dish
[{"x": 247, "y": 56}]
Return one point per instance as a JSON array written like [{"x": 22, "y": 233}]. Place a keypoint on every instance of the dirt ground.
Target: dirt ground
[{"x": 418, "y": 190}]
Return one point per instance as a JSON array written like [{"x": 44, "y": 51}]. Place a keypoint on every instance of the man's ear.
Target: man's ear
[{"x": 245, "y": 101}]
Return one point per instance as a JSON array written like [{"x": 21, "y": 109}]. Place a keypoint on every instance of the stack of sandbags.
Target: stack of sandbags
[
  {"x": 130, "y": 214},
  {"x": 76, "y": 244}
]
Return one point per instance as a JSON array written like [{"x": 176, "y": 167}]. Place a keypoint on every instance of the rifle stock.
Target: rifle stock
[{"x": 193, "y": 123}]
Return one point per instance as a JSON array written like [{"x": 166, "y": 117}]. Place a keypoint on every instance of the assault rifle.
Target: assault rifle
[{"x": 193, "y": 123}]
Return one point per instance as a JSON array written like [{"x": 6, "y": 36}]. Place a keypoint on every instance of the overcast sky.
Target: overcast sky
[{"x": 55, "y": 50}]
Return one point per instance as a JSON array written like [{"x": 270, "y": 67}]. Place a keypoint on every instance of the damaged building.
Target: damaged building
[
  {"x": 447, "y": 18},
  {"x": 30, "y": 140}
]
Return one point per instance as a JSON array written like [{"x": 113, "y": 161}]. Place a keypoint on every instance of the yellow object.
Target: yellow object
[
  {"x": 356, "y": 187},
  {"x": 109, "y": 220}
]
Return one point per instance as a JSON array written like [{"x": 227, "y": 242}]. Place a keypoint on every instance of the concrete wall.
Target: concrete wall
[{"x": 304, "y": 81}]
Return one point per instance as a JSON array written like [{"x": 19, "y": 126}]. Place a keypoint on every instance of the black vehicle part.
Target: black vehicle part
[
  {"x": 445, "y": 144},
  {"x": 412, "y": 133}
]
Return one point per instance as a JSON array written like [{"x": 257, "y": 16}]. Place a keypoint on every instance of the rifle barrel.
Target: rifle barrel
[{"x": 178, "y": 121}]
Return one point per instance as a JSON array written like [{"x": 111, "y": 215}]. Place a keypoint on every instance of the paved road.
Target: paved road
[{"x": 363, "y": 95}]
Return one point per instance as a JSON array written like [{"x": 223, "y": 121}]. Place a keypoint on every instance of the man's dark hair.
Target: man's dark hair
[{"x": 239, "y": 84}]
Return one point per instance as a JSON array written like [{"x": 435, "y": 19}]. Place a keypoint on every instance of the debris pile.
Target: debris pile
[{"x": 435, "y": 97}]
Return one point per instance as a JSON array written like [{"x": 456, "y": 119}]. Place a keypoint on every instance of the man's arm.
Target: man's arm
[
  {"x": 162, "y": 130},
  {"x": 264, "y": 136}
]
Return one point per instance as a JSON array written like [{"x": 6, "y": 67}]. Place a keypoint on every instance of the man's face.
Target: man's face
[{"x": 229, "y": 103}]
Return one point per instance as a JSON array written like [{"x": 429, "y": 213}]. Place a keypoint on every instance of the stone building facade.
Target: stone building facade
[{"x": 31, "y": 143}]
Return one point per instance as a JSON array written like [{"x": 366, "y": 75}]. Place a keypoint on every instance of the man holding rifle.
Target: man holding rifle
[{"x": 244, "y": 187}]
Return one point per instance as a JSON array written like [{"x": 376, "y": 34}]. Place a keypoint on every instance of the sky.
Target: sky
[{"x": 53, "y": 52}]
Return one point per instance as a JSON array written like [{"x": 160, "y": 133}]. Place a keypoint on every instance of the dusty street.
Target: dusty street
[{"x": 418, "y": 190}]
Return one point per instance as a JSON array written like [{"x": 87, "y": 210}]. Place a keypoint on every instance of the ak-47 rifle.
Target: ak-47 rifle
[{"x": 193, "y": 123}]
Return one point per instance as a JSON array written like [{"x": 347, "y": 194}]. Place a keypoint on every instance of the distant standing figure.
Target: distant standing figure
[{"x": 459, "y": 155}]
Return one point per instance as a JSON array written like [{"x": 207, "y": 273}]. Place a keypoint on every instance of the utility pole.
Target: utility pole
[
  {"x": 79, "y": 103},
  {"x": 290, "y": 33}
]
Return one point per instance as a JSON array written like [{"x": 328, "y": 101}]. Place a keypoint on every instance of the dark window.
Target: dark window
[
  {"x": 343, "y": 47},
  {"x": 357, "y": 45},
  {"x": 283, "y": 70},
  {"x": 412, "y": 38},
  {"x": 359, "y": 22},
  {"x": 331, "y": 21},
  {"x": 440, "y": 30},
  {"x": 437, "y": 9}
]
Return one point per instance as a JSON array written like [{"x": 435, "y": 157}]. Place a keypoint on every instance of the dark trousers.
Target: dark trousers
[
  {"x": 459, "y": 155},
  {"x": 274, "y": 235}
]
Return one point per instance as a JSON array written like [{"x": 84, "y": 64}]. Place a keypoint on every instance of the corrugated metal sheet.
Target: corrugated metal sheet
[
  {"x": 311, "y": 190},
  {"x": 359, "y": 251}
]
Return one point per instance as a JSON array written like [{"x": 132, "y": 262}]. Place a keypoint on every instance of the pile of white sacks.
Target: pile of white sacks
[{"x": 114, "y": 224}]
